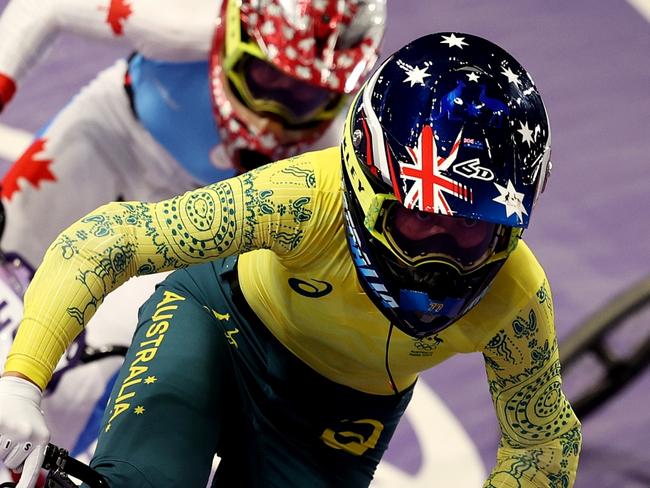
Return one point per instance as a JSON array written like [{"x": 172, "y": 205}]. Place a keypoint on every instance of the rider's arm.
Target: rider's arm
[
  {"x": 160, "y": 29},
  {"x": 268, "y": 208},
  {"x": 540, "y": 433}
]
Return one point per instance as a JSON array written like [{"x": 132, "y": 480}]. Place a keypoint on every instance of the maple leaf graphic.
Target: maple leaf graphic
[
  {"x": 118, "y": 12},
  {"x": 33, "y": 170}
]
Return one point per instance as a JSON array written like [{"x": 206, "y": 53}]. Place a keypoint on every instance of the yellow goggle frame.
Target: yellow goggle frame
[{"x": 377, "y": 214}]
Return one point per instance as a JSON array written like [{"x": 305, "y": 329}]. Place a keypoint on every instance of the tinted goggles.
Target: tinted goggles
[
  {"x": 267, "y": 90},
  {"x": 417, "y": 237}
]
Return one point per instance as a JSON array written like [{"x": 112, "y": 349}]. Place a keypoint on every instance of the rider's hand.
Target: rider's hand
[{"x": 23, "y": 431}]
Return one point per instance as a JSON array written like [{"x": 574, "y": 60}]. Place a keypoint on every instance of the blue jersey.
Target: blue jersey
[{"x": 172, "y": 101}]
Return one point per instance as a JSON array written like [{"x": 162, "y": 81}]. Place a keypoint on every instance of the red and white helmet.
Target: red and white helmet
[{"x": 281, "y": 70}]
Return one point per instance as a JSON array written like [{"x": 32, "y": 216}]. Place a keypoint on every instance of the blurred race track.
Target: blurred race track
[{"x": 591, "y": 231}]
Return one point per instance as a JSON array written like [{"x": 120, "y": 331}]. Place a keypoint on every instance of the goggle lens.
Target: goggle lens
[
  {"x": 420, "y": 237},
  {"x": 267, "y": 90}
]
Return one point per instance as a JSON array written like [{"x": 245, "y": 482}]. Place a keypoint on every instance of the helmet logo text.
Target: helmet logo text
[{"x": 472, "y": 169}]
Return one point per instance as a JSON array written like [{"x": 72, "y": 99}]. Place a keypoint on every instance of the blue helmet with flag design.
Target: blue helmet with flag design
[{"x": 446, "y": 149}]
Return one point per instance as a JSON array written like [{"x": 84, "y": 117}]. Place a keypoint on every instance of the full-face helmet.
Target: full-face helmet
[
  {"x": 446, "y": 149},
  {"x": 281, "y": 70}
]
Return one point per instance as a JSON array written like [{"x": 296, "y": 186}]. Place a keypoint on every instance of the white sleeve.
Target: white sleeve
[{"x": 172, "y": 30}]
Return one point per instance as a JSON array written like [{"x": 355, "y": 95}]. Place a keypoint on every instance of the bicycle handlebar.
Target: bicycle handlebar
[{"x": 60, "y": 465}]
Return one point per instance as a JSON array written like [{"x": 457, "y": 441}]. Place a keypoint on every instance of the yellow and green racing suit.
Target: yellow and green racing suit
[{"x": 285, "y": 220}]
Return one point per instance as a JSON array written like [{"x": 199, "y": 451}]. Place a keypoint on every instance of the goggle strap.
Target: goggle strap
[{"x": 233, "y": 30}]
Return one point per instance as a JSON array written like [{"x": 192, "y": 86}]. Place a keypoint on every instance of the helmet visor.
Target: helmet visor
[
  {"x": 418, "y": 237},
  {"x": 267, "y": 90}
]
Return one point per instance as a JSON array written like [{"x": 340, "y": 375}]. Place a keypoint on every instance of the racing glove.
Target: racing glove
[{"x": 23, "y": 431}]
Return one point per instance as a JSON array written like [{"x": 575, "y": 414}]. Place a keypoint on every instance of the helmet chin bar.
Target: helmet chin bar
[
  {"x": 432, "y": 296},
  {"x": 420, "y": 301}
]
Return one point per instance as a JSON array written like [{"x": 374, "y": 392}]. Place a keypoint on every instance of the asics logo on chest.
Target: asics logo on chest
[{"x": 310, "y": 289}]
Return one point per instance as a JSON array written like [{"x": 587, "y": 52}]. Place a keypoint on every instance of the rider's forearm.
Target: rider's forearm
[
  {"x": 101, "y": 251},
  {"x": 163, "y": 29},
  {"x": 28, "y": 28},
  {"x": 553, "y": 463},
  {"x": 97, "y": 254},
  {"x": 85, "y": 263},
  {"x": 541, "y": 439}
]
